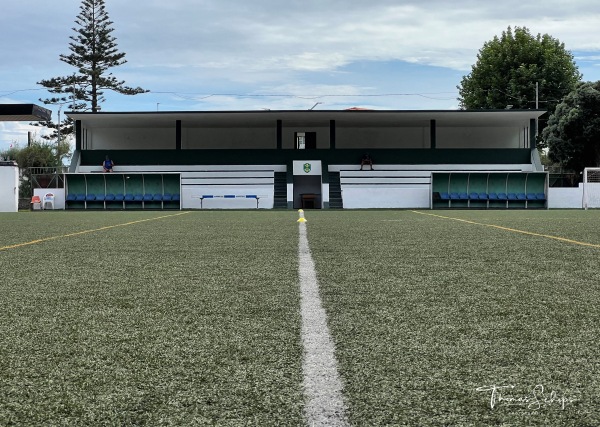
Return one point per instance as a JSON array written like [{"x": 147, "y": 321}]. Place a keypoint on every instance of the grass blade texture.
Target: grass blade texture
[
  {"x": 189, "y": 319},
  {"x": 429, "y": 313}
]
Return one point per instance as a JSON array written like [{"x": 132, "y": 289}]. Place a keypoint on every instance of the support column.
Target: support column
[
  {"x": 332, "y": 134},
  {"x": 290, "y": 184},
  {"x": 279, "y": 134},
  {"x": 432, "y": 136},
  {"x": 78, "y": 135},
  {"x": 325, "y": 183},
  {"x": 178, "y": 135}
]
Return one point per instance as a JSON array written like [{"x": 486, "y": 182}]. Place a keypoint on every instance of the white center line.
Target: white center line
[{"x": 324, "y": 405}]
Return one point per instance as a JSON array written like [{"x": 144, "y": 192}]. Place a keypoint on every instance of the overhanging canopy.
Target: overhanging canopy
[
  {"x": 24, "y": 113},
  {"x": 354, "y": 118}
]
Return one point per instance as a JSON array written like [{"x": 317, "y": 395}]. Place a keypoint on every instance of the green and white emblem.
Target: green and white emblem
[{"x": 307, "y": 167}]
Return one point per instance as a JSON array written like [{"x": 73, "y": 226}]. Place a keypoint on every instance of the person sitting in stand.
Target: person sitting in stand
[
  {"x": 108, "y": 164},
  {"x": 366, "y": 160}
]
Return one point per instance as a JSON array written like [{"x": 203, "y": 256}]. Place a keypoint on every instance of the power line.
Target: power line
[
  {"x": 17, "y": 91},
  {"x": 200, "y": 96},
  {"x": 196, "y": 96}
]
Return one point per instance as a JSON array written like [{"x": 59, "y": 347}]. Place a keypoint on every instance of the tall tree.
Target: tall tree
[
  {"x": 573, "y": 131},
  {"x": 508, "y": 68},
  {"x": 93, "y": 53}
]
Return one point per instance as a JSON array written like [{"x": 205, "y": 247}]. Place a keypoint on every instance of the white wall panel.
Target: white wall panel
[
  {"x": 565, "y": 198},
  {"x": 386, "y": 197},
  {"x": 132, "y": 139},
  {"x": 383, "y": 137},
  {"x": 479, "y": 137},
  {"x": 9, "y": 188},
  {"x": 229, "y": 138}
]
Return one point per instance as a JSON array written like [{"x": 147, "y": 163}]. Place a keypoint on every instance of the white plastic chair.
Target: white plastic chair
[{"x": 48, "y": 201}]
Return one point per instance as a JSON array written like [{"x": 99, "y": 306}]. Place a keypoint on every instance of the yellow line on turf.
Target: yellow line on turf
[
  {"x": 78, "y": 233},
  {"x": 514, "y": 230}
]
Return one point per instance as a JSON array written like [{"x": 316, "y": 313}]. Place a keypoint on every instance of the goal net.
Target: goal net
[{"x": 591, "y": 188}]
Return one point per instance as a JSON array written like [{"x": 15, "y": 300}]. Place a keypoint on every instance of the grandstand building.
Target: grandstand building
[{"x": 307, "y": 159}]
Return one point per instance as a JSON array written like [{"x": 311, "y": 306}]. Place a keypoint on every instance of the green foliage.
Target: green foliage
[
  {"x": 573, "y": 131},
  {"x": 36, "y": 155},
  {"x": 508, "y": 68},
  {"x": 93, "y": 53},
  {"x": 11, "y": 153}
]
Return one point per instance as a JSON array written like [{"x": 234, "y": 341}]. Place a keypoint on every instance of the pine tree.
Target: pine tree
[{"x": 93, "y": 53}]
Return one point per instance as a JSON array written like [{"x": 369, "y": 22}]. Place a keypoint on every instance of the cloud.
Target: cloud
[
  {"x": 194, "y": 48},
  {"x": 314, "y": 36},
  {"x": 16, "y": 133},
  {"x": 299, "y": 36}
]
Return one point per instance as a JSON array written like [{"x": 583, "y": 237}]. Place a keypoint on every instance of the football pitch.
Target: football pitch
[{"x": 436, "y": 318}]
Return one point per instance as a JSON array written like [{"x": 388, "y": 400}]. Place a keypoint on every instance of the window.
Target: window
[{"x": 306, "y": 140}]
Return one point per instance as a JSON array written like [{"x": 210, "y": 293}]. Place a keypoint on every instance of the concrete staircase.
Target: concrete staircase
[
  {"x": 280, "y": 191},
  {"x": 335, "y": 191}
]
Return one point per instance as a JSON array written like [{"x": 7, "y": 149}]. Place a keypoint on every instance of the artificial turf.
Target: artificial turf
[
  {"x": 159, "y": 318},
  {"x": 427, "y": 310},
  {"x": 186, "y": 320}
]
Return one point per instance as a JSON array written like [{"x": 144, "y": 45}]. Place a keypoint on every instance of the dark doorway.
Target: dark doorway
[
  {"x": 307, "y": 192},
  {"x": 306, "y": 140}
]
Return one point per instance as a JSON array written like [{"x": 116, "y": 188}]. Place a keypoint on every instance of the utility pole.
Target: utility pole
[
  {"x": 537, "y": 102},
  {"x": 73, "y": 106},
  {"x": 58, "y": 142}
]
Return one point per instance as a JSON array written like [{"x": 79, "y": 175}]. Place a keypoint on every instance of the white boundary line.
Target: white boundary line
[{"x": 324, "y": 402}]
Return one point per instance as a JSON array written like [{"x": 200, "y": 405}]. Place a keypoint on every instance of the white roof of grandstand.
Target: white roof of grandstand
[{"x": 354, "y": 118}]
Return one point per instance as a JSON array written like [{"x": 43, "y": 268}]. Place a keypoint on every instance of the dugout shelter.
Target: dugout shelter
[{"x": 307, "y": 159}]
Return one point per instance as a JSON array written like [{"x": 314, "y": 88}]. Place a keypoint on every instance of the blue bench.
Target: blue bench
[{"x": 491, "y": 199}]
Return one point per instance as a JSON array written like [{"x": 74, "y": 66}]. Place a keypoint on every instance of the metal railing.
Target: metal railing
[
  {"x": 47, "y": 177},
  {"x": 48, "y": 170}
]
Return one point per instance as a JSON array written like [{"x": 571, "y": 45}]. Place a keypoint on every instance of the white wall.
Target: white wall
[
  {"x": 256, "y": 138},
  {"x": 386, "y": 197},
  {"x": 484, "y": 137},
  {"x": 130, "y": 139},
  {"x": 9, "y": 188},
  {"x": 565, "y": 198},
  {"x": 384, "y": 137},
  {"x": 525, "y": 167},
  {"x": 266, "y": 137},
  {"x": 59, "y": 195},
  {"x": 190, "y": 197}
]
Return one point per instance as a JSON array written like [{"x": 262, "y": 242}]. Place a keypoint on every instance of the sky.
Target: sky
[{"x": 202, "y": 55}]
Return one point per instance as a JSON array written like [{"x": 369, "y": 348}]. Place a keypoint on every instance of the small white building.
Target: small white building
[
  {"x": 9, "y": 171},
  {"x": 9, "y": 186}
]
